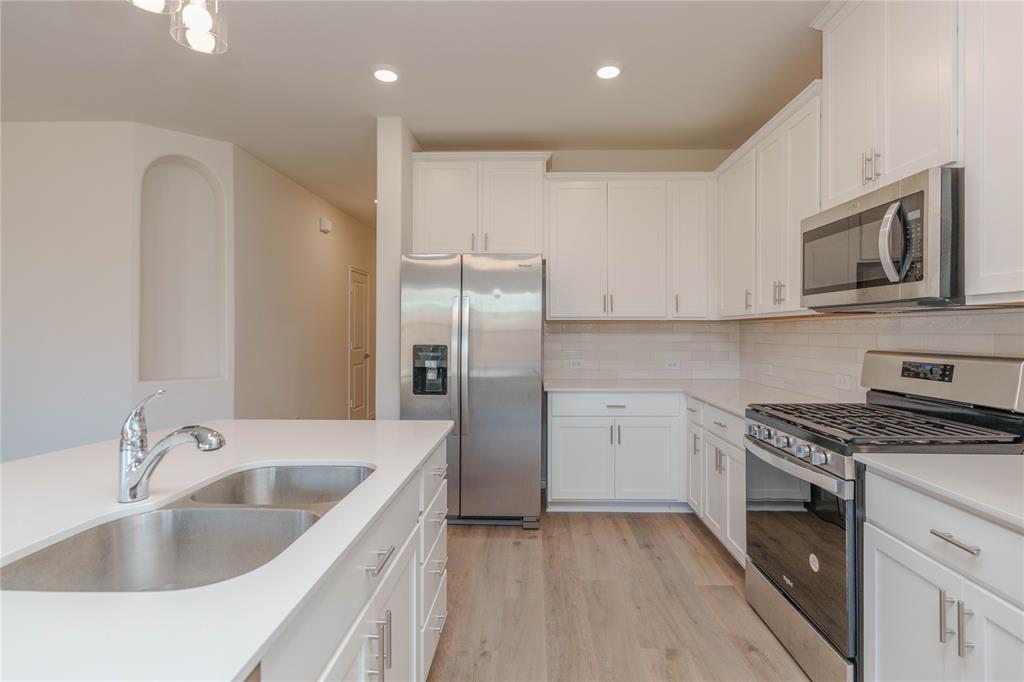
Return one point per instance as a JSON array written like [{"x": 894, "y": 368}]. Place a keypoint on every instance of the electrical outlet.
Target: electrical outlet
[
  {"x": 576, "y": 364},
  {"x": 843, "y": 382},
  {"x": 672, "y": 364}
]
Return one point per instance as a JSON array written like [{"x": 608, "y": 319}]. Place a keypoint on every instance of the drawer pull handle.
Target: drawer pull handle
[
  {"x": 948, "y": 537},
  {"x": 444, "y": 567},
  {"x": 443, "y": 619},
  {"x": 385, "y": 557},
  {"x": 616, "y": 407},
  {"x": 721, "y": 425},
  {"x": 440, "y": 471},
  {"x": 691, "y": 410}
]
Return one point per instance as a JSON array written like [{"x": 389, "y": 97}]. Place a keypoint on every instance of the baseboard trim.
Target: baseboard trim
[{"x": 609, "y": 506}]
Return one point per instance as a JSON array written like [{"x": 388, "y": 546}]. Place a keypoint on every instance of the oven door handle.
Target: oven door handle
[{"x": 840, "y": 488}]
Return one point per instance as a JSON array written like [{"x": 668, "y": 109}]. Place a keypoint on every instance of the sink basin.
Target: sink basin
[
  {"x": 284, "y": 486},
  {"x": 168, "y": 549}
]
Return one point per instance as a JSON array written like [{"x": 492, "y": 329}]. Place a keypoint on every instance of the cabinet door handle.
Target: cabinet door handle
[
  {"x": 381, "y": 637},
  {"x": 721, "y": 425},
  {"x": 962, "y": 645},
  {"x": 441, "y": 470},
  {"x": 611, "y": 302},
  {"x": 604, "y": 303},
  {"x": 696, "y": 449},
  {"x": 782, "y": 291},
  {"x": 864, "y": 173},
  {"x": 677, "y": 303},
  {"x": 443, "y": 618},
  {"x": 692, "y": 410},
  {"x": 944, "y": 630},
  {"x": 444, "y": 567},
  {"x": 746, "y": 299},
  {"x": 620, "y": 434},
  {"x": 948, "y": 537},
  {"x": 611, "y": 434},
  {"x": 385, "y": 557},
  {"x": 616, "y": 407},
  {"x": 472, "y": 242},
  {"x": 876, "y": 156},
  {"x": 486, "y": 248}
]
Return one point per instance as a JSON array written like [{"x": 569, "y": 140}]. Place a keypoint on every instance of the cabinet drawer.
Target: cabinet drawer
[
  {"x": 303, "y": 648},
  {"x": 694, "y": 411},
  {"x": 912, "y": 516},
  {"x": 614, "y": 404},
  {"x": 433, "y": 474},
  {"x": 430, "y": 634},
  {"x": 726, "y": 426},
  {"x": 432, "y": 571},
  {"x": 434, "y": 519}
]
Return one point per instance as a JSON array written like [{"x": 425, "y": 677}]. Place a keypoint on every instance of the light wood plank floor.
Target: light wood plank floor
[{"x": 623, "y": 597}]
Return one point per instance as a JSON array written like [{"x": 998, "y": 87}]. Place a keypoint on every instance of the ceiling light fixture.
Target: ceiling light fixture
[
  {"x": 158, "y": 6},
  {"x": 200, "y": 26},
  {"x": 385, "y": 75},
  {"x": 608, "y": 71}
]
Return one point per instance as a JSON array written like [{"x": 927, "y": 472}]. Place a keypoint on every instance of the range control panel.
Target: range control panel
[{"x": 928, "y": 371}]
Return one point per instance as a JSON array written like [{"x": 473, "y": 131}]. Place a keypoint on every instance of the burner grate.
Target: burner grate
[{"x": 857, "y": 423}]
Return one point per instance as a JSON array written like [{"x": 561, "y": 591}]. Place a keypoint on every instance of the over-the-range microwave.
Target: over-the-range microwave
[{"x": 900, "y": 246}]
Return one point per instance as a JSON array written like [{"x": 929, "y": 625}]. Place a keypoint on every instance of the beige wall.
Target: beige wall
[
  {"x": 633, "y": 160},
  {"x": 291, "y": 309}
]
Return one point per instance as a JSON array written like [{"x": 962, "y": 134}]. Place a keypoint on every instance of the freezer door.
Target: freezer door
[
  {"x": 500, "y": 368},
  {"x": 430, "y": 337}
]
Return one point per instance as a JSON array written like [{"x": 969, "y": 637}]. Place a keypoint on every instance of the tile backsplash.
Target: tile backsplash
[{"x": 819, "y": 356}]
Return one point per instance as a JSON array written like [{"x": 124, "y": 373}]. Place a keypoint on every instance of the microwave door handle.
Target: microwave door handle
[
  {"x": 884, "y": 252},
  {"x": 453, "y": 365},
  {"x": 840, "y": 488}
]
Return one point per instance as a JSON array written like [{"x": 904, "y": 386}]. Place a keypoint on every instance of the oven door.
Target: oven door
[{"x": 801, "y": 530}]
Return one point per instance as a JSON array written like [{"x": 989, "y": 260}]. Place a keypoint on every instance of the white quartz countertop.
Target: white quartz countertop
[
  {"x": 216, "y": 631},
  {"x": 990, "y": 485},
  {"x": 727, "y": 394}
]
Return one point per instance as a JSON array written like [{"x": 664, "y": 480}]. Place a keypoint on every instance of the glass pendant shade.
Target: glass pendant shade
[
  {"x": 158, "y": 6},
  {"x": 200, "y": 26}
]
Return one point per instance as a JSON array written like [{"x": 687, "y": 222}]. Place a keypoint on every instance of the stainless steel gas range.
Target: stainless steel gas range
[{"x": 805, "y": 492}]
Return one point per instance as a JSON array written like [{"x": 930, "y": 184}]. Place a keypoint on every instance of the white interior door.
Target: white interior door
[
  {"x": 577, "y": 250},
  {"x": 688, "y": 248},
  {"x": 647, "y": 458},
  {"x": 358, "y": 344},
  {"x": 636, "y": 248}
]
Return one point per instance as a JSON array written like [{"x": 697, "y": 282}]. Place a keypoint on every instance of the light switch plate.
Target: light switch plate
[
  {"x": 576, "y": 364},
  {"x": 326, "y": 225},
  {"x": 843, "y": 382},
  {"x": 672, "y": 364}
]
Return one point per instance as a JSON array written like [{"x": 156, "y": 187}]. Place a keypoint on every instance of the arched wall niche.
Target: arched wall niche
[{"x": 181, "y": 272}]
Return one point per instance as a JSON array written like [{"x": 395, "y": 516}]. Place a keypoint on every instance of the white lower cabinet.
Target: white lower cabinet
[
  {"x": 924, "y": 621},
  {"x": 725, "y": 493},
  {"x": 646, "y": 458},
  {"x": 581, "y": 458},
  {"x": 394, "y": 614}
]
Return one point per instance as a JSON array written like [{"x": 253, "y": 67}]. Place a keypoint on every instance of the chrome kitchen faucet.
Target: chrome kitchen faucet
[{"x": 138, "y": 461}]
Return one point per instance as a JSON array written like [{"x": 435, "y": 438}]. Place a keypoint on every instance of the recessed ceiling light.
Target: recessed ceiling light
[
  {"x": 608, "y": 71},
  {"x": 385, "y": 75}
]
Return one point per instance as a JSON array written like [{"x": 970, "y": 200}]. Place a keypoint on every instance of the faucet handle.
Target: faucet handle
[{"x": 133, "y": 431}]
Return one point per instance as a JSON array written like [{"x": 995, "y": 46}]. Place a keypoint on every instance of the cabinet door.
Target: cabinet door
[
  {"x": 772, "y": 224},
  {"x": 737, "y": 211},
  {"x": 917, "y": 103},
  {"x": 996, "y": 629},
  {"x": 581, "y": 458},
  {"x": 647, "y": 458},
  {"x": 993, "y": 146},
  {"x": 636, "y": 248},
  {"x": 577, "y": 250},
  {"x": 904, "y": 594},
  {"x": 688, "y": 248},
  {"x": 714, "y": 489},
  {"x": 511, "y": 212},
  {"x": 355, "y": 656},
  {"x": 850, "y": 44},
  {"x": 394, "y": 608},
  {"x": 444, "y": 206},
  {"x": 803, "y": 195},
  {"x": 736, "y": 502},
  {"x": 695, "y": 470}
]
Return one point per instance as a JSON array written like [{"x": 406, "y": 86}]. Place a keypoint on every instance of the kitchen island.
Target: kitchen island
[{"x": 222, "y": 630}]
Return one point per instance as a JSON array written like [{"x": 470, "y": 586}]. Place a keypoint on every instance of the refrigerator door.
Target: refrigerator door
[
  {"x": 431, "y": 307},
  {"x": 500, "y": 377}
]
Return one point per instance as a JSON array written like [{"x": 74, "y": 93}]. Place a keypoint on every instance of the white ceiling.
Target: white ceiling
[{"x": 295, "y": 87}]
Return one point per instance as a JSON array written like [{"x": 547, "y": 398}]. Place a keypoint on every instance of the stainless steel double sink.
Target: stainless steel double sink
[{"x": 229, "y": 527}]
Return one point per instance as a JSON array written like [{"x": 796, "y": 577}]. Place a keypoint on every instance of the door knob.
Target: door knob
[{"x": 366, "y": 356}]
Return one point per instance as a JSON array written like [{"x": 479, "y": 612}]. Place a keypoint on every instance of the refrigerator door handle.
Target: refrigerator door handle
[
  {"x": 464, "y": 366},
  {"x": 453, "y": 363}
]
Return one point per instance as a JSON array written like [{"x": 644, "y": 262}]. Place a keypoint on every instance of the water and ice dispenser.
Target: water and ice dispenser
[{"x": 429, "y": 370}]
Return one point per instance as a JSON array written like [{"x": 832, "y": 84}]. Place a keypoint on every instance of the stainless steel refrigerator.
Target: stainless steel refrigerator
[{"x": 472, "y": 346}]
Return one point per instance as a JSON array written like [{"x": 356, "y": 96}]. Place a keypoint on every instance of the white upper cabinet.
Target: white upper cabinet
[
  {"x": 803, "y": 194},
  {"x": 993, "y": 150},
  {"x": 636, "y": 248},
  {"x": 577, "y": 250},
  {"x": 772, "y": 221},
  {"x": 737, "y": 215},
  {"x": 444, "y": 206},
  {"x": 890, "y": 94},
  {"x": 688, "y": 248},
  {"x": 511, "y": 206},
  {"x": 486, "y": 203}
]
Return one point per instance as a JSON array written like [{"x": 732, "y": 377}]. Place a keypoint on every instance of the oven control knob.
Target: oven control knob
[
  {"x": 752, "y": 429},
  {"x": 819, "y": 456},
  {"x": 782, "y": 440},
  {"x": 767, "y": 433},
  {"x": 802, "y": 451}
]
